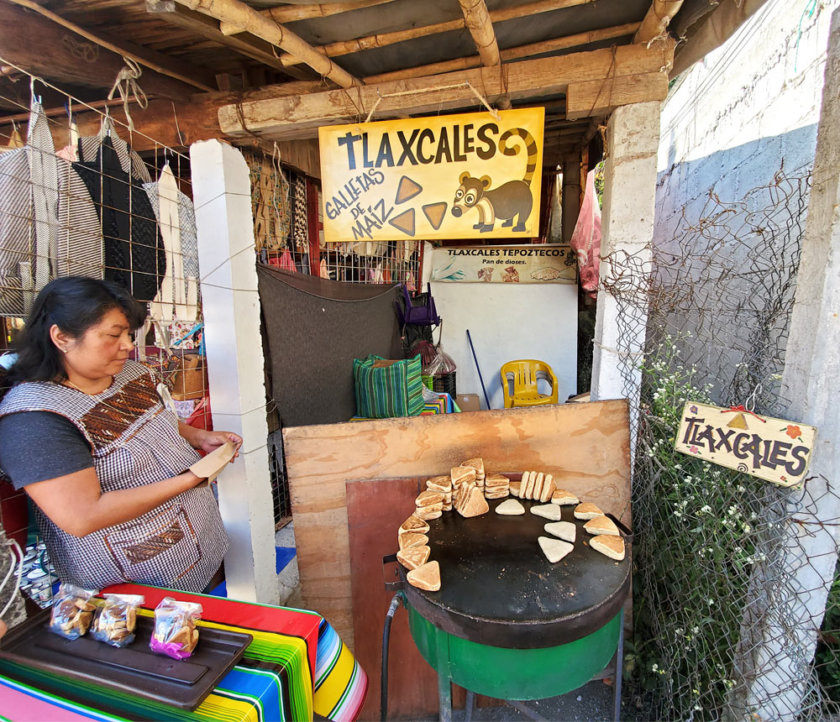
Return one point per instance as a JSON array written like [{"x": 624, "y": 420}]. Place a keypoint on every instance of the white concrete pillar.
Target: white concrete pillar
[
  {"x": 627, "y": 231},
  {"x": 222, "y": 195},
  {"x": 812, "y": 367}
]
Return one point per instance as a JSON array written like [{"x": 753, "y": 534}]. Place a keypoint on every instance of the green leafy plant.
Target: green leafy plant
[{"x": 694, "y": 552}]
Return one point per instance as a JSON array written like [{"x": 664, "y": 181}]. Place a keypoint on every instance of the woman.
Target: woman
[{"x": 84, "y": 432}]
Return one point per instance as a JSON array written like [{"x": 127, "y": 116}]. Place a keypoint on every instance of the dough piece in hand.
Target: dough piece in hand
[
  {"x": 564, "y": 498},
  {"x": 412, "y": 539},
  {"x": 511, "y": 507},
  {"x": 414, "y": 524},
  {"x": 426, "y": 576},
  {"x": 210, "y": 466},
  {"x": 602, "y": 525},
  {"x": 473, "y": 503},
  {"x": 547, "y": 489},
  {"x": 587, "y": 511},
  {"x": 554, "y": 549},
  {"x": 548, "y": 511},
  {"x": 413, "y": 557},
  {"x": 611, "y": 546},
  {"x": 565, "y": 530}
]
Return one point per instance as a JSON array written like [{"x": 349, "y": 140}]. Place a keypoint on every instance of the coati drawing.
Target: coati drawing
[{"x": 510, "y": 200}]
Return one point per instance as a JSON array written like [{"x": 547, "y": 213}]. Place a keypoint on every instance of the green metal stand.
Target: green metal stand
[{"x": 516, "y": 674}]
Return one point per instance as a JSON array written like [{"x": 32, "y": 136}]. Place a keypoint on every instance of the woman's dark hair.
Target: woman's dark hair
[{"x": 74, "y": 304}]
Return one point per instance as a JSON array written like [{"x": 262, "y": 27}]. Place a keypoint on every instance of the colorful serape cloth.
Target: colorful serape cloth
[
  {"x": 22, "y": 703},
  {"x": 295, "y": 664}
]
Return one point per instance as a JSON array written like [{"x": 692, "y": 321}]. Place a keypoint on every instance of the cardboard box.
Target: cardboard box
[{"x": 468, "y": 402}]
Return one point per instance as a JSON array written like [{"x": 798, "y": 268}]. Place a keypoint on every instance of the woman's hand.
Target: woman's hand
[
  {"x": 209, "y": 441},
  {"x": 212, "y": 440}
]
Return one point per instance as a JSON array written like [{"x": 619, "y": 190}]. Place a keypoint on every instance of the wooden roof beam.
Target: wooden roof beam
[
  {"x": 254, "y": 22},
  {"x": 478, "y": 22},
  {"x": 380, "y": 40},
  {"x": 197, "y": 77},
  {"x": 594, "y": 82},
  {"x": 656, "y": 21},
  {"x": 208, "y": 28},
  {"x": 291, "y": 14},
  {"x": 523, "y": 51}
]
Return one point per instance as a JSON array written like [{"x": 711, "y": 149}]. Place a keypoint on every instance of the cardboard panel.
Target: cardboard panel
[{"x": 585, "y": 446}]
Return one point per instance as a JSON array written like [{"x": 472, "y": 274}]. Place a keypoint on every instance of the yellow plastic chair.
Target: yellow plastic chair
[{"x": 519, "y": 382}]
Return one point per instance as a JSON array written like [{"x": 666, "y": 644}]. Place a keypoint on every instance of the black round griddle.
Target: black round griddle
[{"x": 498, "y": 588}]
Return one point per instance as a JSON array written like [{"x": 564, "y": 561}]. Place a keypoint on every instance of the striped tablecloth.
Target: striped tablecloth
[{"x": 296, "y": 664}]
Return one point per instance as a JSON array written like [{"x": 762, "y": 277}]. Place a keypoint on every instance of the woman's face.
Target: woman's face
[{"x": 102, "y": 350}]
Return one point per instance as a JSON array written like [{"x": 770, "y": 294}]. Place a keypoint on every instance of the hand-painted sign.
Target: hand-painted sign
[
  {"x": 448, "y": 176},
  {"x": 542, "y": 263},
  {"x": 770, "y": 449}
]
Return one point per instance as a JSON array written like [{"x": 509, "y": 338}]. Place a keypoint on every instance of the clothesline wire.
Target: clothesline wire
[{"x": 5, "y": 62}]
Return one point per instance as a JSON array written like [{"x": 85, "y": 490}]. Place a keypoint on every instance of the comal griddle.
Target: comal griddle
[{"x": 506, "y": 622}]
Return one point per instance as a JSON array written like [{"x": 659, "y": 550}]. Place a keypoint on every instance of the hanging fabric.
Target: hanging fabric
[
  {"x": 175, "y": 215},
  {"x": 28, "y": 219},
  {"x": 134, "y": 252},
  {"x": 130, "y": 162},
  {"x": 300, "y": 231}
]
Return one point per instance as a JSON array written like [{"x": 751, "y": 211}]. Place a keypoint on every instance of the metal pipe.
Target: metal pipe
[{"x": 386, "y": 638}]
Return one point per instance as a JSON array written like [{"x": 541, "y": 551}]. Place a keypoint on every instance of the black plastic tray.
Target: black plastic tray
[{"x": 136, "y": 668}]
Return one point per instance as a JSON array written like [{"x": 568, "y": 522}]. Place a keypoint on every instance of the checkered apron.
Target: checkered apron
[{"x": 134, "y": 441}]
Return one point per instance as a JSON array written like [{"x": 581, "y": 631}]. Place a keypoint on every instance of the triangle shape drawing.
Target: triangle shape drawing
[
  {"x": 738, "y": 422},
  {"x": 407, "y": 189},
  {"x": 404, "y": 222},
  {"x": 435, "y": 212}
]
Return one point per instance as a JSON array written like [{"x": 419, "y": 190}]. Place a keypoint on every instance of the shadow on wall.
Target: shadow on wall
[{"x": 727, "y": 236}]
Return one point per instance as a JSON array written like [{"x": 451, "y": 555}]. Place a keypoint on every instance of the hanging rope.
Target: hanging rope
[
  {"x": 465, "y": 84},
  {"x": 126, "y": 84}
]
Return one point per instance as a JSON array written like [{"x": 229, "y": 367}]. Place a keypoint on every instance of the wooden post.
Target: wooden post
[
  {"x": 313, "y": 227},
  {"x": 222, "y": 194}
]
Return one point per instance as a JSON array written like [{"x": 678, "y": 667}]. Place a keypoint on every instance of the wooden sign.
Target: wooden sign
[
  {"x": 771, "y": 449},
  {"x": 447, "y": 176},
  {"x": 541, "y": 263}
]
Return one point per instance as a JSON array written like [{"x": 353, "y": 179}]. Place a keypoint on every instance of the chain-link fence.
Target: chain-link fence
[{"x": 721, "y": 600}]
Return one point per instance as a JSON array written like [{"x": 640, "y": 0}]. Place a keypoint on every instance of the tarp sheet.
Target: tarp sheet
[{"x": 315, "y": 328}]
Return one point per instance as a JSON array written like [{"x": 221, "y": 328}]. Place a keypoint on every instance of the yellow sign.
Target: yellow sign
[
  {"x": 539, "y": 263},
  {"x": 771, "y": 449},
  {"x": 448, "y": 176}
]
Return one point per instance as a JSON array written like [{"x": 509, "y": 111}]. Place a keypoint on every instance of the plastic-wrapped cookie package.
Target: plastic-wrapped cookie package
[
  {"x": 115, "y": 620},
  {"x": 72, "y": 611},
  {"x": 175, "y": 632}
]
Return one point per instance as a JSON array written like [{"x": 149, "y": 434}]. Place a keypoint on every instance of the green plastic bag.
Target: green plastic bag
[{"x": 386, "y": 388}]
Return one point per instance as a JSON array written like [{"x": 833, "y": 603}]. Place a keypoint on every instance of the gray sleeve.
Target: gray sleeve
[{"x": 40, "y": 445}]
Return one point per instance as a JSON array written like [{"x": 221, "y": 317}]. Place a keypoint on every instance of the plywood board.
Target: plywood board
[
  {"x": 585, "y": 446},
  {"x": 375, "y": 510}
]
